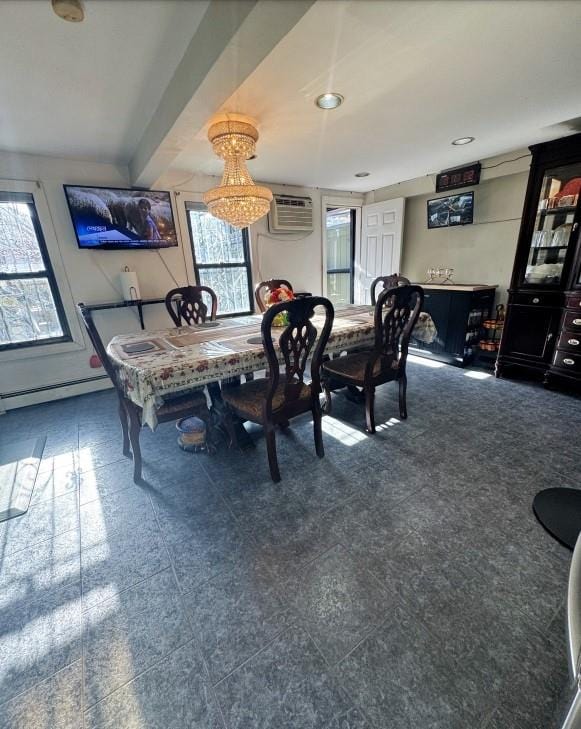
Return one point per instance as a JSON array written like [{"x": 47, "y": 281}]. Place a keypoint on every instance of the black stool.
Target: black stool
[{"x": 559, "y": 512}]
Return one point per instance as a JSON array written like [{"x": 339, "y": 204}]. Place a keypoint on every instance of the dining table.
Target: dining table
[{"x": 153, "y": 365}]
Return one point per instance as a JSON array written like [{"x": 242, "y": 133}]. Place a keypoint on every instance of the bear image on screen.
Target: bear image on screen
[{"x": 110, "y": 218}]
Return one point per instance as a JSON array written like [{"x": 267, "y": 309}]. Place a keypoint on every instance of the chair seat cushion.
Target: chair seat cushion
[
  {"x": 352, "y": 368},
  {"x": 248, "y": 398},
  {"x": 182, "y": 401}
]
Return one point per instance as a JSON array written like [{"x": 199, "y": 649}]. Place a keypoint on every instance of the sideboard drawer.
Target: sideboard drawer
[
  {"x": 572, "y": 321},
  {"x": 567, "y": 361},
  {"x": 574, "y": 301},
  {"x": 536, "y": 299},
  {"x": 570, "y": 341}
]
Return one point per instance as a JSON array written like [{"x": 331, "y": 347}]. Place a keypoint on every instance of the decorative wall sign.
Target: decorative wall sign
[{"x": 460, "y": 177}]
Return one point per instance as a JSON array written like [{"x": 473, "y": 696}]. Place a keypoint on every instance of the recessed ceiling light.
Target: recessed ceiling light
[
  {"x": 462, "y": 140},
  {"x": 329, "y": 101},
  {"x": 70, "y": 10},
  {"x": 362, "y": 174}
]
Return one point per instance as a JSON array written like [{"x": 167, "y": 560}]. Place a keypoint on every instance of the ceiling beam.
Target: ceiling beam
[{"x": 232, "y": 39}]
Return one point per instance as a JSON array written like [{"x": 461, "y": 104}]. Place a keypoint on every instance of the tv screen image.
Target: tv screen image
[
  {"x": 451, "y": 210},
  {"x": 112, "y": 218}
]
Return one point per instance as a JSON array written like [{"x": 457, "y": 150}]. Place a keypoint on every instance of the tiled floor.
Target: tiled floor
[{"x": 400, "y": 582}]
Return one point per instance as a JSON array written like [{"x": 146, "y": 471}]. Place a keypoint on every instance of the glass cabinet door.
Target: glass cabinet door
[{"x": 553, "y": 231}]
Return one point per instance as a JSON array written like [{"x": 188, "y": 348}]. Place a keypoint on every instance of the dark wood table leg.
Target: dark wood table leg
[
  {"x": 354, "y": 394},
  {"x": 236, "y": 437},
  {"x": 351, "y": 392}
]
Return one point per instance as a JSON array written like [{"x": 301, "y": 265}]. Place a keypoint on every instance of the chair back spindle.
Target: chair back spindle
[
  {"x": 265, "y": 287},
  {"x": 388, "y": 282},
  {"x": 187, "y": 304},
  {"x": 296, "y": 343},
  {"x": 396, "y": 313}
]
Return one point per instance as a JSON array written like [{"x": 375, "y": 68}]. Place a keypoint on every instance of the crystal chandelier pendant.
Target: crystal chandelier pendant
[{"x": 238, "y": 200}]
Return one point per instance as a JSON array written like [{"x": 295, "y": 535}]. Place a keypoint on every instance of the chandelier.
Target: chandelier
[{"x": 238, "y": 199}]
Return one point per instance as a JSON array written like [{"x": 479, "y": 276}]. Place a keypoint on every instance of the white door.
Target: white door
[{"x": 378, "y": 252}]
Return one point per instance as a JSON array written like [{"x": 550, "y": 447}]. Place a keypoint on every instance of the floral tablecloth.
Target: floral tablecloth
[{"x": 186, "y": 357}]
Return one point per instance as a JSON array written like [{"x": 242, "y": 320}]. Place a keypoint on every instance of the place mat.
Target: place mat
[
  {"x": 191, "y": 338},
  {"x": 217, "y": 348},
  {"x": 157, "y": 347},
  {"x": 239, "y": 345},
  {"x": 342, "y": 325},
  {"x": 255, "y": 340},
  {"x": 362, "y": 318},
  {"x": 138, "y": 347},
  {"x": 197, "y": 336},
  {"x": 347, "y": 312}
]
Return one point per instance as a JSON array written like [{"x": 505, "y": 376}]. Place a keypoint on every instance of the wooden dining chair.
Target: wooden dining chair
[
  {"x": 265, "y": 287},
  {"x": 396, "y": 313},
  {"x": 187, "y": 304},
  {"x": 275, "y": 399},
  {"x": 174, "y": 406},
  {"x": 388, "y": 282}
]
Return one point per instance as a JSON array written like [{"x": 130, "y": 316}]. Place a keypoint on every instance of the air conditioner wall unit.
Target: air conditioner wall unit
[{"x": 290, "y": 214}]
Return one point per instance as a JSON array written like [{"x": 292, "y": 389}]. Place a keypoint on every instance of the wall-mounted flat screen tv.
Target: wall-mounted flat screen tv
[
  {"x": 108, "y": 218},
  {"x": 451, "y": 210}
]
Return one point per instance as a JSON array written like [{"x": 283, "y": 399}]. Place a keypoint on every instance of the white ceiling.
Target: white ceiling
[
  {"x": 415, "y": 75},
  {"x": 88, "y": 90}
]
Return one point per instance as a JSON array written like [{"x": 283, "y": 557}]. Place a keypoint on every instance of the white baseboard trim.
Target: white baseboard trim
[{"x": 12, "y": 401}]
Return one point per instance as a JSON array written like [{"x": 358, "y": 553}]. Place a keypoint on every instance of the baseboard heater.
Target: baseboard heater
[{"x": 32, "y": 390}]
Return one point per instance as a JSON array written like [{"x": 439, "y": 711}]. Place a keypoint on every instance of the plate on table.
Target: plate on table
[{"x": 138, "y": 347}]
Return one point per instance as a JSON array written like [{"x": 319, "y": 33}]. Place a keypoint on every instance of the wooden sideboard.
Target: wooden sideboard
[{"x": 458, "y": 312}]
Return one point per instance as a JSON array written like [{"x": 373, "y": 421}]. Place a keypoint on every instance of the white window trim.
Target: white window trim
[
  {"x": 328, "y": 201},
  {"x": 62, "y": 282},
  {"x": 181, "y": 199}
]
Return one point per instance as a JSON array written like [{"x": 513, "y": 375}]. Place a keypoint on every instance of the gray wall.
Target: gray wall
[
  {"x": 479, "y": 253},
  {"x": 482, "y": 253}
]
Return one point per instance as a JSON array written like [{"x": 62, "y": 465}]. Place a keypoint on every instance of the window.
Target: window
[
  {"x": 30, "y": 307},
  {"x": 340, "y": 242},
  {"x": 221, "y": 260}
]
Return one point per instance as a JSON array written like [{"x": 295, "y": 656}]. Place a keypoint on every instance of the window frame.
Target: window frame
[
  {"x": 48, "y": 274},
  {"x": 247, "y": 264},
  {"x": 50, "y": 223},
  {"x": 354, "y": 203},
  {"x": 351, "y": 269}
]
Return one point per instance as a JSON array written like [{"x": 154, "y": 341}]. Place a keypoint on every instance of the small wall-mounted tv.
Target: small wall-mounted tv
[
  {"x": 109, "y": 218},
  {"x": 451, "y": 210}
]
